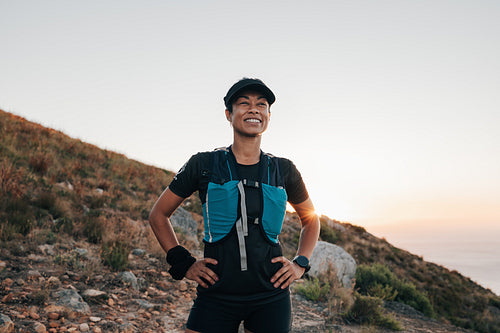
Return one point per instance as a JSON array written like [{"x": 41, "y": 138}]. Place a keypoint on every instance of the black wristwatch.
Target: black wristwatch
[{"x": 303, "y": 262}]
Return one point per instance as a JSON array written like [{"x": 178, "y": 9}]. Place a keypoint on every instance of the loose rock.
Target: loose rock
[
  {"x": 53, "y": 282},
  {"x": 92, "y": 295},
  {"x": 33, "y": 275},
  {"x": 138, "y": 252},
  {"x": 47, "y": 249},
  {"x": 144, "y": 304},
  {"x": 84, "y": 327},
  {"x": 34, "y": 315},
  {"x": 39, "y": 328},
  {"x": 70, "y": 303},
  {"x": 130, "y": 279},
  {"x": 6, "y": 324},
  {"x": 7, "y": 283},
  {"x": 82, "y": 252},
  {"x": 53, "y": 315}
]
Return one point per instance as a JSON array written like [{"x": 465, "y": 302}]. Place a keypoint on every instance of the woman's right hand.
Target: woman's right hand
[{"x": 200, "y": 273}]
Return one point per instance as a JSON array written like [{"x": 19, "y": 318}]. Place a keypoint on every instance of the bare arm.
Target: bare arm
[
  {"x": 310, "y": 228},
  {"x": 308, "y": 237},
  {"x": 159, "y": 218}
]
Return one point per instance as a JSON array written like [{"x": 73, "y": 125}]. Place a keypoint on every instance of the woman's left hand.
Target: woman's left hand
[{"x": 287, "y": 274}]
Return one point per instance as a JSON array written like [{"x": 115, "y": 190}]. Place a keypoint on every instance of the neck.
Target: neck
[{"x": 246, "y": 150}]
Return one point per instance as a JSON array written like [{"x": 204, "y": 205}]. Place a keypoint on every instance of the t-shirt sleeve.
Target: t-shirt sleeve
[
  {"x": 294, "y": 185},
  {"x": 187, "y": 180}
]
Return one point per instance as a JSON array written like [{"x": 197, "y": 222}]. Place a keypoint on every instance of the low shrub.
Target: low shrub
[
  {"x": 494, "y": 301},
  {"x": 70, "y": 260},
  {"x": 327, "y": 233},
  {"x": 115, "y": 254},
  {"x": 46, "y": 200},
  {"x": 17, "y": 217},
  {"x": 314, "y": 290},
  {"x": 93, "y": 229},
  {"x": 328, "y": 289},
  {"x": 55, "y": 205},
  {"x": 64, "y": 225},
  {"x": 378, "y": 280},
  {"x": 369, "y": 310},
  {"x": 10, "y": 180},
  {"x": 385, "y": 292},
  {"x": 39, "y": 163}
]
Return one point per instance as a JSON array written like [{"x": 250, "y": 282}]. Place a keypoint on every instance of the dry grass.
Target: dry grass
[
  {"x": 326, "y": 288},
  {"x": 48, "y": 176},
  {"x": 11, "y": 179}
]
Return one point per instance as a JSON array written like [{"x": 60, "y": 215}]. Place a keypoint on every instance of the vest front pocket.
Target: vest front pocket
[{"x": 220, "y": 210}]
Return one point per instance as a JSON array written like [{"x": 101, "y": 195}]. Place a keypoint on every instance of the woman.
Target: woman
[{"x": 243, "y": 276}]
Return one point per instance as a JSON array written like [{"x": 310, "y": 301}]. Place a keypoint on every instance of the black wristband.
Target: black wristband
[{"x": 180, "y": 259}]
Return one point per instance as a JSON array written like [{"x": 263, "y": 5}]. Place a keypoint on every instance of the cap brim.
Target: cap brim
[{"x": 236, "y": 89}]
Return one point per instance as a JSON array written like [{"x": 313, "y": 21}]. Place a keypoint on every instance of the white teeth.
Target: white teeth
[{"x": 253, "y": 120}]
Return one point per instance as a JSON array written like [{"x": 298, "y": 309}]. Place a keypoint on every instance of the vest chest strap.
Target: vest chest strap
[
  {"x": 242, "y": 227},
  {"x": 251, "y": 183}
]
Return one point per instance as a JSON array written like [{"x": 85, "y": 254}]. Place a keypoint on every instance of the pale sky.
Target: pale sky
[{"x": 390, "y": 109}]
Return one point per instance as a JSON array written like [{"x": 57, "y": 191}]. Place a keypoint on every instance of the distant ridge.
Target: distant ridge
[{"x": 55, "y": 188}]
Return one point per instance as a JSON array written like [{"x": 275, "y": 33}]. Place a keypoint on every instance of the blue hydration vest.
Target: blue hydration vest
[{"x": 225, "y": 205}]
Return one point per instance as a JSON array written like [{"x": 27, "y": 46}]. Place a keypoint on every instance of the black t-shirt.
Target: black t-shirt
[
  {"x": 193, "y": 176},
  {"x": 254, "y": 284}
]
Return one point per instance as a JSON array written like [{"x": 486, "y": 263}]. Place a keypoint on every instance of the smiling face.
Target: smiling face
[{"x": 250, "y": 115}]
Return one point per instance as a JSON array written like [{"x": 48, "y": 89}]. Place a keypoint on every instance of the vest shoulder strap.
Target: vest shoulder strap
[
  {"x": 224, "y": 168},
  {"x": 226, "y": 149}
]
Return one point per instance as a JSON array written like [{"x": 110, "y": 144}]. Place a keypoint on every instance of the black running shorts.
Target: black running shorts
[{"x": 217, "y": 316}]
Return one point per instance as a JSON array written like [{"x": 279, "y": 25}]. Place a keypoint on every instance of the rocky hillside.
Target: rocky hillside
[{"x": 77, "y": 253}]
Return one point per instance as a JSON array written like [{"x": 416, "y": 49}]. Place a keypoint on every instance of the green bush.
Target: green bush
[
  {"x": 369, "y": 310},
  {"x": 93, "y": 229},
  {"x": 494, "y": 301},
  {"x": 50, "y": 202},
  {"x": 17, "y": 217},
  {"x": 378, "y": 280},
  {"x": 327, "y": 233},
  {"x": 408, "y": 294},
  {"x": 313, "y": 289},
  {"x": 385, "y": 292},
  {"x": 115, "y": 255}
]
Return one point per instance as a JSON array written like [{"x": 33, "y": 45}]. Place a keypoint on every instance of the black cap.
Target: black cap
[{"x": 246, "y": 83}]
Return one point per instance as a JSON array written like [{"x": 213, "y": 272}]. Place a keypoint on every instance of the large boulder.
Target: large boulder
[
  {"x": 183, "y": 220},
  {"x": 326, "y": 256}
]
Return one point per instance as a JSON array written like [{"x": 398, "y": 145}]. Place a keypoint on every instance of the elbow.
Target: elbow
[{"x": 152, "y": 215}]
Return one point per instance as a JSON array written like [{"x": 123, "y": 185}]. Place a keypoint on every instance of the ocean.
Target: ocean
[{"x": 474, "y": 254}]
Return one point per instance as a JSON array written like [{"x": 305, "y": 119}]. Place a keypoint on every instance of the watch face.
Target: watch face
[{"x": 302, "y": 261}]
